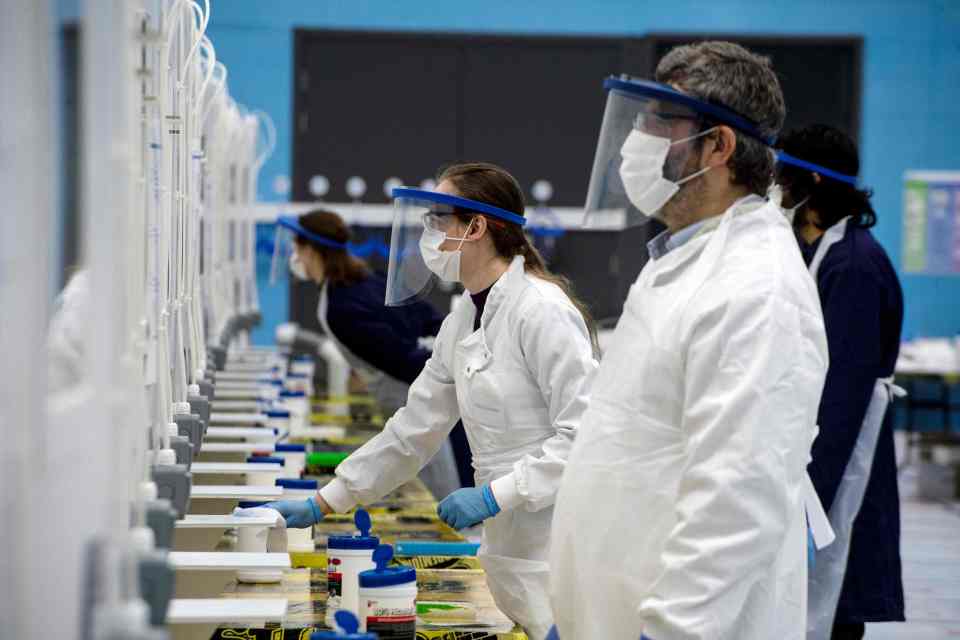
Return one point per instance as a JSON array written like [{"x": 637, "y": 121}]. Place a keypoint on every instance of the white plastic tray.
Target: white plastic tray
[
  {"x": 236, "y": 405},
  {"x": 250, "y": 433},
  {"x": 226, "y": 560},
  {"x": 319, "y": 432},
  {"x": 237, "y": 419},
  {"x": 240, "y": 376},
  {"x": 222, "y": 468},
  {"x": 217, "y": 610},
  {"x": 235, "y": 492},
  {"x": 238, "y": 385},
  {"x": 232, "y": 394},
  {"x": 196, "y": 521},
  {"x": 238, "y": 447}
]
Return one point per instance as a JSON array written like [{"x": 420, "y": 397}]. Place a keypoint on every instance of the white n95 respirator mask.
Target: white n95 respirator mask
[
  {"x": 445, "y": 264},
  {"x": 644, "y": 157},
  {"x": 297, "y": 268}
]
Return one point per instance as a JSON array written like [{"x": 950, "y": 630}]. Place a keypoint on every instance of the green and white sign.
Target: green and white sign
[{"x": 931, "y": 222}]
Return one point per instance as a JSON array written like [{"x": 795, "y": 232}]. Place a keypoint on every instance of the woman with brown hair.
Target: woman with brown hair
[
  {"x": 382, "y": 344},
  {"x": 514, "y": 362}
]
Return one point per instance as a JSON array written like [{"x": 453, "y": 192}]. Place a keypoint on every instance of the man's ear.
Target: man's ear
[{"x": 724, "y": 145}]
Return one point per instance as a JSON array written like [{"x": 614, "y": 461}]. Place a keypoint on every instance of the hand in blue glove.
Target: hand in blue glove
[
  {"x": 299, "y": 514},
  {"x": 466, "y": 507},
  {"x": 811, "y": 550}
]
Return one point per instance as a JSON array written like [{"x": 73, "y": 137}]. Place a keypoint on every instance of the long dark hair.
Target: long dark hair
[
  {"x": 832, "y": 199},
  {"x": 491, "y": 184},
  {"x": 339, "y": 266}
]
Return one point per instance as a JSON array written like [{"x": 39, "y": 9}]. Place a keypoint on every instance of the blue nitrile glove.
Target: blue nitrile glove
[
  {"x": 811, "y": 550},
  {"x": 466, "y": 507},
  {"x": 299, "y": 514}
]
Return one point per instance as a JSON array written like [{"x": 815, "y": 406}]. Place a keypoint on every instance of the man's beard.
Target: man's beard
[{"x": 682, "y": 207}]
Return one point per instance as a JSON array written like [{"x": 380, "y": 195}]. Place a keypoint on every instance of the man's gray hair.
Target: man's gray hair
[{"x": 727, "y": 74}]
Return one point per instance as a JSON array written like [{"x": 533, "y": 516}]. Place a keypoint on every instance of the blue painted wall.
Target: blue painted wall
[{"x": 911, "y": 84}]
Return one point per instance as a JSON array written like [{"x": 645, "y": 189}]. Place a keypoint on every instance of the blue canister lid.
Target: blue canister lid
[
  {"x": 362, "y": 542},
  {"x": 384, "y": 576},
  {"x": 387, "y": 577},
  {"x": 294, "y": 483},
  {"x": 298, "y": 376},
  {"x": 266, "y": 460},
  {"x": 250, "y": 504},
  {"x": 287, "y": 447},
  {"x": 292, "y": 394},
  {"x": 349, "y": 625},
  {"x": 354, "y": 543},
  {"x": 303, "y": 358},
  {"x": 277, "y": 383},
  {"x": 277, "y": 413}
]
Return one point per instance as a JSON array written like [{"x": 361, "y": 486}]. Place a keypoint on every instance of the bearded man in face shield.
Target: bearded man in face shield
[{"x": 683, "y": 509}]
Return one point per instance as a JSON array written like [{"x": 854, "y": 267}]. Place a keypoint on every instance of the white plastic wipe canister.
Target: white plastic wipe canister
[
  {"x": 388, "y": 599},
  {"x": 347, "y": 557}
]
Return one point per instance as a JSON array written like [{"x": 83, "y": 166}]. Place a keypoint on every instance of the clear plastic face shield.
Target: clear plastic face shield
[
  {"x": 423, "y": 221},
  {"x": 283, "y": 251},
  {"x": 647, "y": 142},
  {"x": 286, "y": 258}
]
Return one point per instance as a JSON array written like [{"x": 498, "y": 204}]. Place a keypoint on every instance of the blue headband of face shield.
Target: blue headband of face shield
[
  {"x": 456, "y": 201},
  {"x": 715, "y": 112},
  {"x": 786, "y": 158},
  {"x": 293, "y": 224}
]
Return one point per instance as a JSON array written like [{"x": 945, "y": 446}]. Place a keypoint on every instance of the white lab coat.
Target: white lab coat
[
  {"x": 681, "y": 514},
  {"x": 520, "y": 384},
  {"x": 440, "y": 474}
]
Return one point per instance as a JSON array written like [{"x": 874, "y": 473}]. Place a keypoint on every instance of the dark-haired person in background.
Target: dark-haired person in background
[
  {"x": 853, "y": 467},
  {"x": 382, "y": 344}
]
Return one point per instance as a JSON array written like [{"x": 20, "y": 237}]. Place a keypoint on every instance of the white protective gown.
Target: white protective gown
[
  {"x": 681, "y": 513},
  {"x": 520, "y": 383}
]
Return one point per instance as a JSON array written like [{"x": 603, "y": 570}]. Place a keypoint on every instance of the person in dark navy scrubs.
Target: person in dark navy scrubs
[{"x": 863, "y": 312}]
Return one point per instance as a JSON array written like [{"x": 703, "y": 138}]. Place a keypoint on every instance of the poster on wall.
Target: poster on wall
[{"x": 931, "y": 222}]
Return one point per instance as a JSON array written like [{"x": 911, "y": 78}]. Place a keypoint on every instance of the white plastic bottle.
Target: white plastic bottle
[
  {"x": 299, "y": 382},
  {"x": 267, "y": 477},
  {"x": 294, "y": 456},
  {"x": 347, "y": 557},
  {"x": 388, "y": 598},
  {"x": 298, "y": 405},
  {"x": 278, "y": 419},
  {"x": 303, "y": 365}
]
